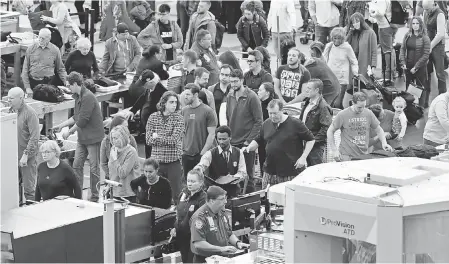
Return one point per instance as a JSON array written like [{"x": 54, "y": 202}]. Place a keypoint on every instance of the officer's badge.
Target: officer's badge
[
  {"x": 235, "y": 163},
  {"x": 198, "y": 224},
  {"x": 192, "y": 208}
]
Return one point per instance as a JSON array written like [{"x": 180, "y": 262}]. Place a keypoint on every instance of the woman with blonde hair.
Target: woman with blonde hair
[
  {"x": 55, "y": 177},
  {"x": 340, "y": 57},
  {"x": 123, "y": 163},
  {"x": 415, "y": 52},
  {"x": 106, "y": 144},
  {"x": 82, "y": 59}
]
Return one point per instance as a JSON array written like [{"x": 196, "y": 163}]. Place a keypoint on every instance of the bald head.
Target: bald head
[
  {"x": 45, "y": 32},
  {"x": 16, "y": 92},
  {"x": 44, "y": 37},
  {"x": 15, "y": 97}
]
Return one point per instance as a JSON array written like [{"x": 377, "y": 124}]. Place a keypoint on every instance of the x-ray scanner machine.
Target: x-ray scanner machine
[{"x": 390, "y": 210}]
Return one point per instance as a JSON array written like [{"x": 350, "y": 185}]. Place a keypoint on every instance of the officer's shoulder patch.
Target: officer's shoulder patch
[{"x": 199, "y": 224}]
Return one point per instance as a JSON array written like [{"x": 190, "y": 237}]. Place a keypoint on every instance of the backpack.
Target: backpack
[
  {"x": 413, "y": 112},
  {"x": 48, "y": 93},
  {"x": 399, "y": 15}
]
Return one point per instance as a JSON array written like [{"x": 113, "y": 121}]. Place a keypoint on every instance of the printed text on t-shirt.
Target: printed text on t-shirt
[
  {"x": 290, "y": 83},
  {"x": 359, "y": 127}
]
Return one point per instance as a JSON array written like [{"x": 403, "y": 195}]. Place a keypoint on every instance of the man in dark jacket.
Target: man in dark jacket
[
  {"x": 317, "y": 115},
  {"x": 252, "y": 29},
  {"x": 221, "y": 89},
  {"x": 202, "y": 19},
  {"x": 115, "y": 61},
  {"x": 147, "y": 102},
  {"x": 88, "y": 122},
  {"x": 256, "y": 75},
  {"x": 319, "y": 70},
  {"x": 203, "y": 48}
]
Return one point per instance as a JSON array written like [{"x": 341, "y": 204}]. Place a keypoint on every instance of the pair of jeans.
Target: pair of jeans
[
  {"x": 386, "y": 39},
  {"x": 183, "y": 243},
  {"x": 316, "y": 155},
  {"x": 183, "y": 19},
  {"x": 172, "y": 172},
  {"x": 262, "y": 156},
  {"x": 188, "y": 163},
  {"x": 82, "y": 152},
  {"x": 322, "y": 34},
  {"x": 27, "y": 176},
  {"x": 436, "y": 59},
  {"x": 250, "y": 159},
  {"x": 338, "y": 102}
]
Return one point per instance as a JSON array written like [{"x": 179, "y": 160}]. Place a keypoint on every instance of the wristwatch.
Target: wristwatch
[{"x": 237, "y": 244}]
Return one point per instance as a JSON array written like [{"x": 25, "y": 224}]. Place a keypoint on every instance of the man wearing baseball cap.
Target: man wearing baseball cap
[
  {"x": 122, "y": 52},
  {"x": 211, "y": 231}
]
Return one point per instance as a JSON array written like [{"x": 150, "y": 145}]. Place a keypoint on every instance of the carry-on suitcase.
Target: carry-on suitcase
[{"x": 361, "y": 84}]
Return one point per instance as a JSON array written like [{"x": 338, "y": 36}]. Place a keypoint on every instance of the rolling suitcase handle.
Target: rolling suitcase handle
[{"x": 356, "y": 84}]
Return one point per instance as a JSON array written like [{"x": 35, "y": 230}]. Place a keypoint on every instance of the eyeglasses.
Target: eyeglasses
[
  {"x": 222, "y": 199},
  {"x": 163, "y": 14}
]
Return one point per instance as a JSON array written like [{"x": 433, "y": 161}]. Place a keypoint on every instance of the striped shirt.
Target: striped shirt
[{"x": 167, "y": 146}]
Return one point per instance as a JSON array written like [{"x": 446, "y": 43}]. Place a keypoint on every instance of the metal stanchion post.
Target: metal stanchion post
[
  {"x": 279, "y": 44},
  {"x": 92, "y": 27},
  {"x": 108, "y": 232},
  {"x": 86, "y": 23}
]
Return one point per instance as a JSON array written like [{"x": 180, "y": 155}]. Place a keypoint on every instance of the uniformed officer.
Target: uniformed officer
[
  {"x": 190, "y": 200},
  {"x": 211, "y": 232}
]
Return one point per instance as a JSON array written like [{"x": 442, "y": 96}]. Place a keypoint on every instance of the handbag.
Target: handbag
[
  {"x": 35, "y": 19},
  {"x": 416, "y": 90}
]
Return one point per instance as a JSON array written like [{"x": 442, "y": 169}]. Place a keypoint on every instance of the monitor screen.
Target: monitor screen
[{"x": 242, "y": 208}]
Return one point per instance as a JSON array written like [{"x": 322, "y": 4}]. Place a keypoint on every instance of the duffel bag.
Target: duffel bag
[
  {"x": 389, "y": 93},
  {"x": 105, "y": 82},
  {"x": 413, "y": 112},
  {"x": 408, "y": 97},
  {"x": 424, "y": 151},
  {"x": 48, "y": 93}
]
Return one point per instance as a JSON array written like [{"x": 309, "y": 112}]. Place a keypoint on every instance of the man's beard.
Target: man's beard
[{"x": 292, "y": 63}]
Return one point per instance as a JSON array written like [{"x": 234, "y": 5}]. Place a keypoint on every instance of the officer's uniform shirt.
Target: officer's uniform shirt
[
  {"x": 207, "y": 226},
  {"x": 187, "y": 206}
]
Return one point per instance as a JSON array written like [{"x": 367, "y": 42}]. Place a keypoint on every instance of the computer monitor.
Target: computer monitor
[{"x": 242, "y": 208}]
